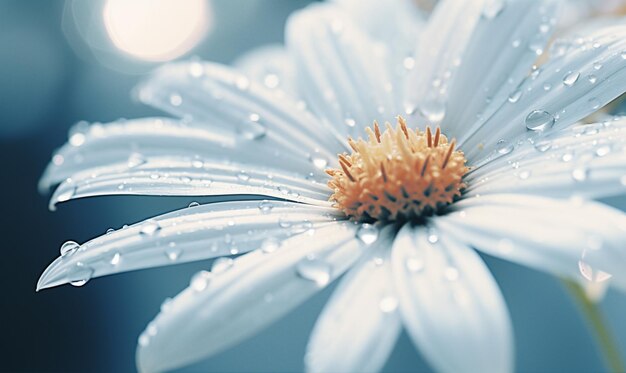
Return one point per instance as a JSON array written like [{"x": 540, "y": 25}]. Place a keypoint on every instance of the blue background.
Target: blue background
[{"x": 45, "y": 87}]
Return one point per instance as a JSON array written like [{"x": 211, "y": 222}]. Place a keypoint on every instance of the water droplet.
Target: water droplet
[
  {"x": 567, "y": 157},
  {"x": 196, "y": 70},
  {"x": 200, "y": 281},
  {"x": 367, "y": 233},
  {"x": 166, "y": 305},
  {"x": 193, "y": 204},
  {"x": 58, "y": 159},
  {"x": 144, "y": 340},
  {"x": 414, "y": 265},
  {"x": 243, "y": 176},
  {"x": 408, "y": 63},
  {"x": 388, "y": 304},
  {"x": 547, "y": 86},
  {"x": 504, "y": 147},
  {"x": 515, "y": 96},
  {"x": 135, "y": 160},
  {"x": 115, "y": 259},
  {"x": 315, "y": 270},
  {"x": 270, "y": 244},
  {"x": 77, "y": 139},
  {"x": 433, "y": 236},
  {"x": 433, "y": 110},
  {"x": 222, "y": 264},
  {"x": 68, "y": 248},
  {"x": 524, "y": 174},
  {"x": 543, "y": 146},
  {"x": 539, "y": 120},
  {"x": 271, "y": 81},
  {"x": 80, "y": 274},
  {"x": 592, "y": 79},
  {"x": 176, "y": 99},
  {"x": 318, "y": 161},
  {"x": 242, "y": 83},
  {"x": 570, "y": 78},
  {"x": 172, "y": 252},
  {"x": 623, "y": 55},
  {"x": 597, "y": 65},
  {"x": 149, "y": 228},
  {"x": 603, "y": 150},
  {"x": 580, "y": 174},
  {"x": 594, "y": 102},
  {"x": 492, "y": 9},
  {"x": 350, "y": 122},
  {"x": 197, "y": 163},
  {"x": 516, "y": 43},
  {"x": 266, "y": 207}
]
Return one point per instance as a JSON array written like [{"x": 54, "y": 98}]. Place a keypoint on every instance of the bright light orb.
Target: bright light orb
[{"x": 156, "y": 30}]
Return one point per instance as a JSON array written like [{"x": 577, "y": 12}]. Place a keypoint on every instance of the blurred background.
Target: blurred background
[{"x": 62, "y": 62}]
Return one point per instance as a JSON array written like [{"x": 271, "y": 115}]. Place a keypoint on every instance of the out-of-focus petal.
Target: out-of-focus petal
[
  {"x": 450, "y": 303},
  {"x": 272, "y": 66},
  {"x": 222, "y": 308},
  {"x": 362, "y": 314},
  {"x": 195, "y": 233},
  {"x": 572, "y": 239}
]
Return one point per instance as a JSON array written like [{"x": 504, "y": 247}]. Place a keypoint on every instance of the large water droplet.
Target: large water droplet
[
  {"x": 315, "y": 270},
  {"x": 603, "y": 150},
  {"x": 367, "y": 233},
  {"x": 68, "y": 248},
  {"x": 539, "y": 120},
  {"x": 266, "y": 207},
  {"x": 67, "y": 194},
  {"x": 149, "y": 228},
  {"x": 200, "y": 281},
  {"x": 80, "y": 274},
  {"x": 504, "y": 147},
  {"x": 433, "y": 110},
  {"x": 570, "y": 78}
]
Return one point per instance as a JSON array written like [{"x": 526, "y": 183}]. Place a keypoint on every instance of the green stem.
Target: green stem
[{"x": 599, "y": 327}]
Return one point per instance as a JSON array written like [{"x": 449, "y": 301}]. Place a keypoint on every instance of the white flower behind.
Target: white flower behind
[{"x": 274, "y": 128}]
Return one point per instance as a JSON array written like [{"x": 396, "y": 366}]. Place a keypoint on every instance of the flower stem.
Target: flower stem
[{"x": 597, "y": 323}]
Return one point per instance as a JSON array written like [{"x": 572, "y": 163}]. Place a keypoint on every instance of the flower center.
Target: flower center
[{"x": 400, "y": 174}]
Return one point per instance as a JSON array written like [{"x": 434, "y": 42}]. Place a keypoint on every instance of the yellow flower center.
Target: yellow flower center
[{"x": 400, "y": 174}]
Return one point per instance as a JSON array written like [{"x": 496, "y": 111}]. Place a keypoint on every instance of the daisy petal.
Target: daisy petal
[
  {"x": 572, "y": 239},
  {"x": 131, "y": 141},
  {"x": 584, "y": 75},
  {"x": 439, "y": 51},
  {"x": 584, "y": 160},
  {"x": 175, "y": 177},
  {"x": 220, "y": 97},
  {"x": 502, "y": 48},
  {"x": 227, "y": 306},
  {"x": 361, "y": 314},
  {"x": 196, "y": 233},
  {"x": 272, "y": 66},
  {"x": 450, "y": 304},
  {"x": 343, "y": 73}
]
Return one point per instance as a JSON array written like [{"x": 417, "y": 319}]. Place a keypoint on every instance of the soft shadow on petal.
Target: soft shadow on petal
[
  {"x": 586, "y": 160},
  {"x": 175, "y": 177},
  {"x": 342, "y": 73},
  {"x": 499, "y": 55},
  {"x": 450, "y": 304},
  {"x": 583, "y": 74},
  {"x": 359, "y": 326},
  {"x": 568, "y": 238},
  {"x": 195, "y": 233},
  {"x": 130, "y": 142},
  {"x": 234, "y": 302}
]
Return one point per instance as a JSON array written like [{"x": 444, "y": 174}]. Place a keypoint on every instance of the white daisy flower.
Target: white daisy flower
[{"x": 405, "y": 205}]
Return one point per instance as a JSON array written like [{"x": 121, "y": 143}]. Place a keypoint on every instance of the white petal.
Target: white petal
[
  {"x": 196, "y": 233},
  {"x": 359, "y": 326},
  {"x": 450, "y": 304},
  {"x": 218, "y": 96},
  {"x": 584, "y": 160},
  {"x": 572, "y": 239},
  {"x": 238, "y": 302},
  {"x": 130, "y": 141},
  {"x": 499, "y": 55},
  {"x": 585, "y": 74},
  {"x": 342, "y": 73},
  {"x": 184, "y": 177},
  {"x": 439, "y": 51},
  {"x": 271, "y": 66}
]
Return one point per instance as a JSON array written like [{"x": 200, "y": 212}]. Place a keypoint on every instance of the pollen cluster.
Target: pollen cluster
[{"x": 399, "y": 174}]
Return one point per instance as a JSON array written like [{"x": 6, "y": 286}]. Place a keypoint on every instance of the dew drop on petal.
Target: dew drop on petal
[
  {"x": 243, "y": 176},
  {"x": 115, "y": 259},
  {"x": 539, "y": 120},
  {"x": 414, "y": 264},
  {"x": 580, "y": 174},
  {"x": 80, "y": 274},
  {"x": 166, "y": 305},
  {"x": 135, "y": 160},
  {"x": 592, "y": 79},
  {"x": 504, "y": 147},
  {"x": 144, "y": 340},
  {"x": 67, "y": 194},
  {"x": 388, "y": 304},
  {"x": 492, "y": 9},
  {"x": 350, "y": 122},
  {"x": 222, "y": 264},
  {"x": 68, "y": 248},
  {"x": 603, "y": 150},
  {"x": 543, "y": 146},
  {"x": 176, "y": 99},
  {"x": 433, "y": 110},
  {"x": 315, "y": 270},
  {"x": 367, "y": 233},
  {"x": 270, "y": 244},
  {"x": 200, "y": 281},
  {"x": 172, "y": 252},
  {"x": 524, "y": 174},
  {"x": 265, "y": 207},
  {"x": 570, "y": 78},
  {"x": 149, "y": 228},
  {"x": 515, "y": 96}
]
